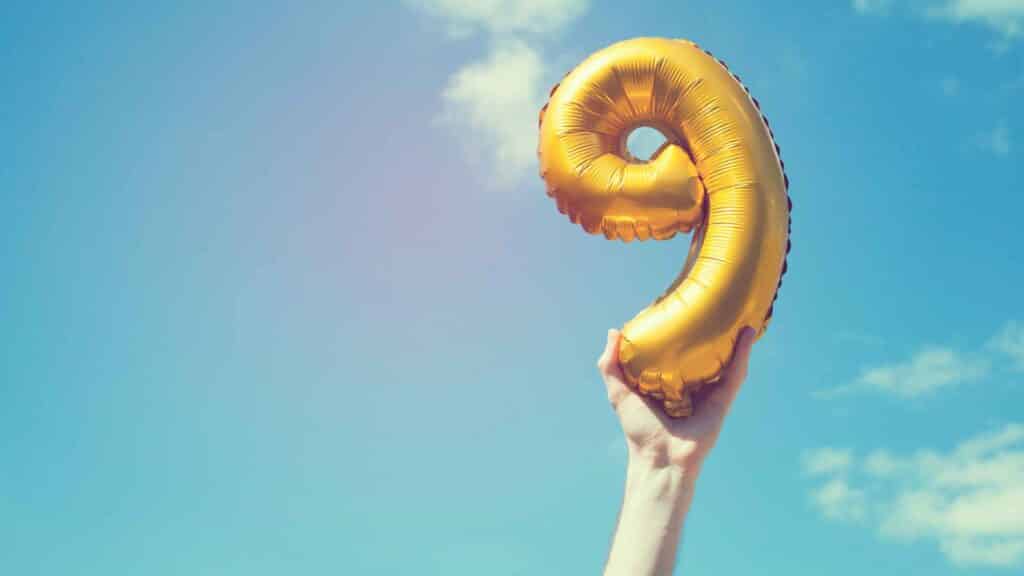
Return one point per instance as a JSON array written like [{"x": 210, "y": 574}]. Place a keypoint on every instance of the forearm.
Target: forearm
[{"x": 655, "y": 504}]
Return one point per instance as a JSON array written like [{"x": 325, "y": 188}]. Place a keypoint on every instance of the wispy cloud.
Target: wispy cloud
[
  {"x": 1004, "y": 16},
  {"x": 871, "y": 6},
  {"x": 928, "y": 371},
  {"x": 1010, "y": 342},
  {"x": 492, "y": 103},
  {"x": 967, "y": 500},
  {"x": 935, "y": 368},
  {"x": 835, "y": 499},
  {"x": 827, "y": 461},
  {"x": 465, "y": 17}
]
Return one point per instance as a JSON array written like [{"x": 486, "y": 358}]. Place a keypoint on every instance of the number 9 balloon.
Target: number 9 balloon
[{"x": 718, "y": 175}]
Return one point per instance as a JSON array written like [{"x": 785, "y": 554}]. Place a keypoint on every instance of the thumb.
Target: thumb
[{"x": 611, "y": 372}]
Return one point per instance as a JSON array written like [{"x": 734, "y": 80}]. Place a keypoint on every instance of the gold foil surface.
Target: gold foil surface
[{"x": 718, "y": 175}]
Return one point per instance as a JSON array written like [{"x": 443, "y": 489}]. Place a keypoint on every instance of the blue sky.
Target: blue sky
[{"x": 284, "y": 294}]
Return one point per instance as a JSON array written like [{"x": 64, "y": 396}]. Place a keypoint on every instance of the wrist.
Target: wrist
[
  {"x": 654, "y": 508},
  {"x": 659, "y": 479},
  {"x": 645, "y": 462}
]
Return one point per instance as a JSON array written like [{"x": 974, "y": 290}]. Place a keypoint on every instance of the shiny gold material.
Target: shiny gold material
[{"x": 718, "y": 174}]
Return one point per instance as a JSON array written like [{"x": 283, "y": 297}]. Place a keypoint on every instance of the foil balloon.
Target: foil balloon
[{"x": 718, "y": 175}]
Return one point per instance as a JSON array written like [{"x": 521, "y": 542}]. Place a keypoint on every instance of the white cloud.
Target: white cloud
[
  {"x": 871, "y": 6},
  {"x": 836, "y": 500},
  {"x": 966, "y": 552},
  {"x": 1010, "y": 342},
  {"x": 493, "y": 102},
  {"x": 496, "y": 100},
  {"x": 1004, "y": 16},
  {"x": 826, "y": 461},
  {"x": 927, "y": 371},
  {"x": 969, "y": 500},
  {"x": 934, "y": 368},
  {"x": 464, "y": 17},
  {"x": 996, "y": 140}
]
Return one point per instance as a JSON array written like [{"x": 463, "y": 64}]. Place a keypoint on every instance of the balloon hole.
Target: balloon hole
[{"x": 643, "y": 141}]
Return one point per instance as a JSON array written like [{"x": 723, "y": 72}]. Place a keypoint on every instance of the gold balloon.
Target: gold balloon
[{"x": 718, "y": 174}]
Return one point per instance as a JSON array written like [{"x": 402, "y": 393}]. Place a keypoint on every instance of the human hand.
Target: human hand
[{"x": 656, "y": 440}]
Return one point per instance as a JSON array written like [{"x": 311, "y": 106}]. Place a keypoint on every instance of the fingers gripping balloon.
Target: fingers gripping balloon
[{"x": 718, "y": 175}]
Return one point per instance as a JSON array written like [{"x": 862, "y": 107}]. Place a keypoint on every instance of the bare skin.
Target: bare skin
[{"x": 665, "y": 458}]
